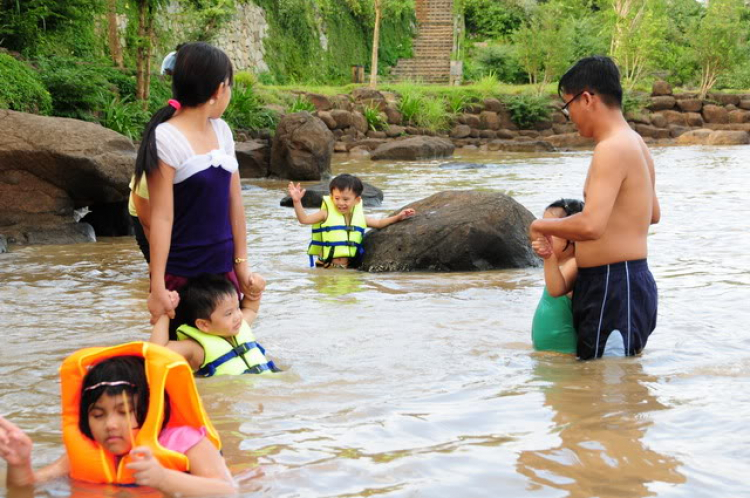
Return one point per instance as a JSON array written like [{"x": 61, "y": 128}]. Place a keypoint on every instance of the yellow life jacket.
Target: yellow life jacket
[
  {"x": 243, "y": 355},
  {"x": 166, "y": 371},
  {"x": 333, "y": 238}
]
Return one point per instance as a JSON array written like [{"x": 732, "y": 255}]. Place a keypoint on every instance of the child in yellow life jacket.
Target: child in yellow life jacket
[
  {"x": 131, "y": 415},
  {"x": 214, "y": 334},
  {"x": 339, "y": 226}
]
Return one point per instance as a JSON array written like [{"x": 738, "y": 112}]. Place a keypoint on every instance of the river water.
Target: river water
[{"x": 423, "y": 384}]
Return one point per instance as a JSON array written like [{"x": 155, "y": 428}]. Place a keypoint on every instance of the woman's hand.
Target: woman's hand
[
  {"x": 15, "y": 445},
  {"x": 147, "y": 470},
  {"x": 256, "y": 288},
  {"x": 161, "y": 303}
]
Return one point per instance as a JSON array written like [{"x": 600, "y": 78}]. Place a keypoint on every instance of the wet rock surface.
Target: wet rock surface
[{"x": 454, "y": 231}]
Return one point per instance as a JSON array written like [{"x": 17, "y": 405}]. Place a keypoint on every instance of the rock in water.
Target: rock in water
[
  {"x": 412, "y": 149},
  {"x": 51, "y": 166},
  {"x": 454, "y": 231},
  {"x": 302, "y": 148}
]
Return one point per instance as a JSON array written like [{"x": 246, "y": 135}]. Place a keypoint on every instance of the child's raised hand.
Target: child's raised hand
[
  {"x": 542, "y": 247},
  {"x": 296, "y": 192},
  {"x": 15, "y": 445},
  {"x": 147, "y": 470},
  {"x": 406, "y": 213}
]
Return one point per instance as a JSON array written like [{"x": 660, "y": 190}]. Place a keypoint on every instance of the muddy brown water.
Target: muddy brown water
[{"x": 424, "y": 384}]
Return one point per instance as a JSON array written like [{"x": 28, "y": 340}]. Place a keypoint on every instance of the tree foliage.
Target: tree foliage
[{"x": 718, "y": 40}]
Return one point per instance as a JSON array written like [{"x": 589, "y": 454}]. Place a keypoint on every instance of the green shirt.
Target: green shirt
[{"x": 552, "y": 327}]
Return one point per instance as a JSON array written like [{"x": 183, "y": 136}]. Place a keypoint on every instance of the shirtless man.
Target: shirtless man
[{"x": 614, "y": 291}]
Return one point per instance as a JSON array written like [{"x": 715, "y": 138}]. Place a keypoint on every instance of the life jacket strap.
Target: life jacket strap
[
  {"x": 209, "y": 369},
  {"x": 348, "y": 228}
]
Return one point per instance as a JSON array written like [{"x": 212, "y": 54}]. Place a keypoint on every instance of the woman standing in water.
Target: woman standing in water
[{"x": 187, "y": 156}]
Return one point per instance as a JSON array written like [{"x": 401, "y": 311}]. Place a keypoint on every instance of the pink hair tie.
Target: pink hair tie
[{"x": 174, "y": 104}]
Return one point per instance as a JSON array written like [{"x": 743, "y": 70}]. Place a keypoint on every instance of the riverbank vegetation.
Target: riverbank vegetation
[{"x": 96, "y": 59}]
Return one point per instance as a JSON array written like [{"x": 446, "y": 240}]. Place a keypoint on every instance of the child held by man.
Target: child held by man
[
  {"x": 214, "y": 333},
  {"x": 339, "y": 226},
  {"x": 552, "y": 328}
]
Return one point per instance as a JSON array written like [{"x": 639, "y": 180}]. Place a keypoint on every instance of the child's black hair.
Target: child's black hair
[
  {"x": 200, "y": 296},
  {"x": 597, "y": 75},
  {"x": 570, "y": 206},
  {"x": 198, "y": 71},
  {"x": 347, "y": 182},
  {"x": 131, "y": 369}
]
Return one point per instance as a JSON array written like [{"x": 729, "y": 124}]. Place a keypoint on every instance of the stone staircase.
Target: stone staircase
[{"x": 433, "y": 45}]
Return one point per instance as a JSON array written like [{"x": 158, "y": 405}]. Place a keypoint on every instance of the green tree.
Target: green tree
[
  {"x": 718, "y": 40},
  {"x": 381, "y": 7},
  {"x": 543, "y": 50},
  {"x": 638, "y": 33}
]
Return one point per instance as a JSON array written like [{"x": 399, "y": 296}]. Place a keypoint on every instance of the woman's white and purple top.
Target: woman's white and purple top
[{"x": 202, "y": 240}]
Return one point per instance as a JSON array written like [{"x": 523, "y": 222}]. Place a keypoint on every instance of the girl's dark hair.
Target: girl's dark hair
[
  {"x": 200, "y": 296},
  {"x": 347, "y": 182},
  {"x": 570, "y": 206},
  {"x": 597, "y": 75},
  {"x": 198, "y": 71},
  {"x": 120, "y": 368}
]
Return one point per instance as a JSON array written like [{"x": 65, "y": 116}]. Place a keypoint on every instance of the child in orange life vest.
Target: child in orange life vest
[
  {"x": 339, "y": 226},
  {"x": 111, "y": 408},
  {"x": 214, "y": 333}
]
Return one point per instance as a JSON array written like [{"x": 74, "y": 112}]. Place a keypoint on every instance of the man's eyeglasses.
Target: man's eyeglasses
[{"x": 564, "y": 108}]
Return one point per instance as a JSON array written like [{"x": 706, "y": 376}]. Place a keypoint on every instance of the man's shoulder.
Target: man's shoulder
[{"x": 621, "y": 147}]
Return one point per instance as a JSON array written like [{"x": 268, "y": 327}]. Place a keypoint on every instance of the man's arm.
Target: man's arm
[
  {"x": 656, "y": 209},
  {"x": 606, "y": 174}
]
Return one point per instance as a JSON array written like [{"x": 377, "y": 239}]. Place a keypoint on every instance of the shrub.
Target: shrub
[
  {"x": 247, "y": 112},
  {"x": 634, "y": 102},
  {"x": 126, "y": 117},
  {"x": 375, "y": 121},
  {"x": 22, "y": 89},
  {"x": 502, "y": 61},
  {"x": 245, "y": 78},
  {"x": 527, "y": 110},
  {"x": 420, "y": 110},
  {"x": 81, "y": 90},
  {"x": 301, "y": 104}
]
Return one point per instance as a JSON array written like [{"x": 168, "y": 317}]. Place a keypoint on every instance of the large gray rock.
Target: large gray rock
[
  {"x": 415, "y": 148},
  {"x": 302, "y": 148},
  {"x": 254, "y": 158},
  {"x": 313, "y": 198},
  {"x": 3, "y": 244},
  {"x": 51, "y": 166},
  {"x": 454, "y": 231}
]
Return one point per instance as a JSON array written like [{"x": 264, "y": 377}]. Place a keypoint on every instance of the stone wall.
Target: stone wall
[
  {"x": 241, "y": 38},
  {"x": 487, "y": 125}
]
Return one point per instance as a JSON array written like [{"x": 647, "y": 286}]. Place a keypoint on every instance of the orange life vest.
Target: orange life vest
[{"x": 165, "y": 370}]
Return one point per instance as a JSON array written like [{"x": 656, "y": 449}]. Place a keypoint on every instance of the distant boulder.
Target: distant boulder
[
  {"x": 302, "y": 148},
  {"x": 412, "y": 149},
  {"x": 454, "y": 231}
]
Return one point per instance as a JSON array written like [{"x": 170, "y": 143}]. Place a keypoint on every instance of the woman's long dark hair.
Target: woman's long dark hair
[{"x": 199, "y": 70}]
